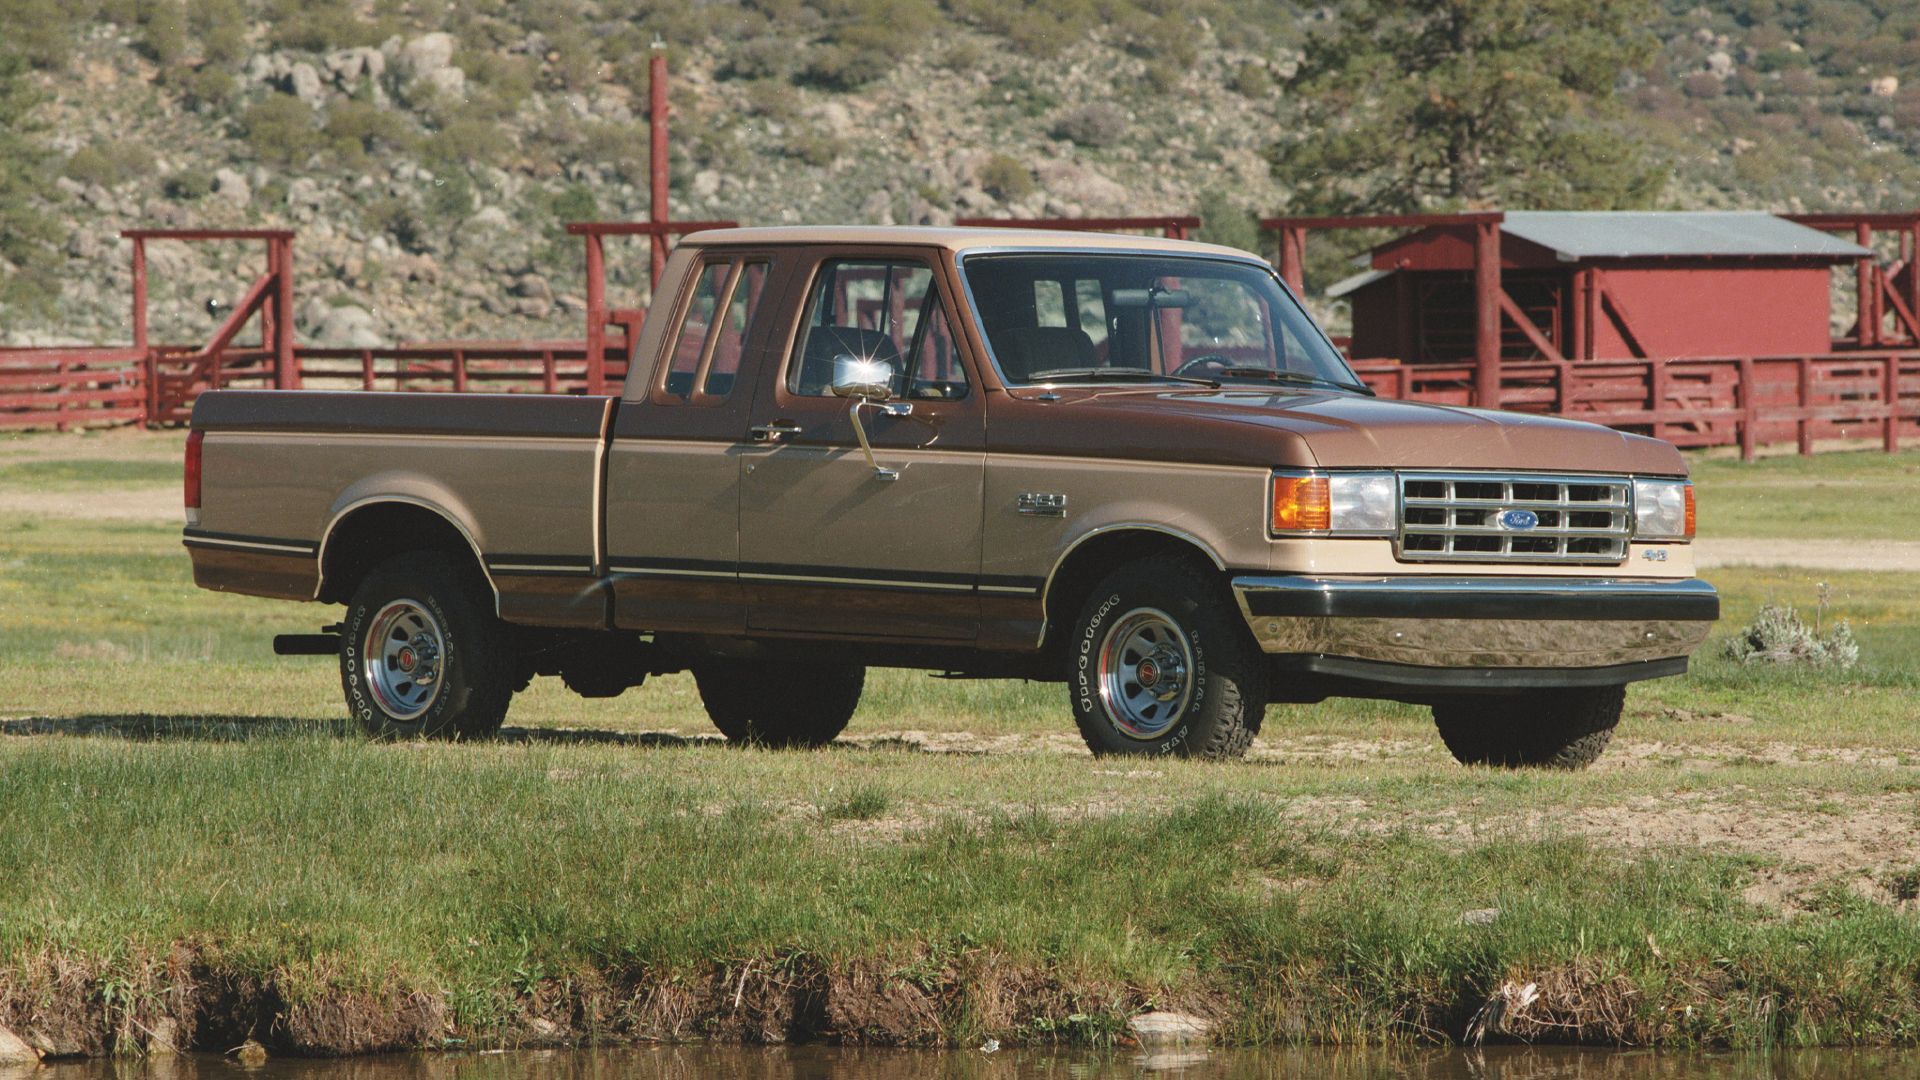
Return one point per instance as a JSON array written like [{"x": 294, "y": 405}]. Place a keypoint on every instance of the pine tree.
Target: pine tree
[{"x": 1430, "y": 104}]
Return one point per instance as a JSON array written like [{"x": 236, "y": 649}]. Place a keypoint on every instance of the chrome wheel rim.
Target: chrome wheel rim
[
  {"x": 1146, "y": 666},
  {"x": 405, "y": 657}
]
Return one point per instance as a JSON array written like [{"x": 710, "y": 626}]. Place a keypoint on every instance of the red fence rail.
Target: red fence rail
[
  {"x": 63, "y": 389},
  {"x": 1746, "y": 401}
]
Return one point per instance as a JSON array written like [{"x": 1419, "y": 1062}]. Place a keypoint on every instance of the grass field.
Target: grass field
[{"x": 182, "y": 810}]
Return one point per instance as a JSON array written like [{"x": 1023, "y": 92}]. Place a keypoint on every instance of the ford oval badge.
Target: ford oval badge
[{"x": 1519, "y": 520}]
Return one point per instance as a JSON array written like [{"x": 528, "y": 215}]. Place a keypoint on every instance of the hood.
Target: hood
[{"x": 1340, "y": 431}]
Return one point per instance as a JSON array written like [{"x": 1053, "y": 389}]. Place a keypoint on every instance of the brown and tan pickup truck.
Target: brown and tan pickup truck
[{"x": 1134, "y": 467}]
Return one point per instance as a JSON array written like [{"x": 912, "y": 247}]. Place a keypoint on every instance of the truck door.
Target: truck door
[
  {"x": 829, "y": 543},
  {"x": 674, "y": 467}
]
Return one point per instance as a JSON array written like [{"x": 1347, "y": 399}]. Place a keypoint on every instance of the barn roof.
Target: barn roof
[
  {"x": 1577, "y": 235},
  {"x": 1615, "y": 234}
]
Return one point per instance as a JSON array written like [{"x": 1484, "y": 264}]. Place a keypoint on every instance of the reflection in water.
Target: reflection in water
[{"x": 823, "y": 1062}]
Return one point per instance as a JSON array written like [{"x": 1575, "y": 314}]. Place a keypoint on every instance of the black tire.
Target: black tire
[
  {"x": 474, "y": 678},
  {"x": 1165, "y": 603},
  {"x": 779, "y": 704},
  {"x": 1564, "y": 728}
]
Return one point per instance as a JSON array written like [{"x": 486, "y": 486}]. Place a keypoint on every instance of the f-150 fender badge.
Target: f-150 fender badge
[
  {"x": 1654, "y": 554},
  {"x": 1042, "y": 504}
]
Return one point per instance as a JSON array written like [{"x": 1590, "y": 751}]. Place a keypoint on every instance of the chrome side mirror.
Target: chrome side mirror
[{"x": 867, "y": 380}]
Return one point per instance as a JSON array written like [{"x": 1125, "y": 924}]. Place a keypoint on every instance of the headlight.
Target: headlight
[
  {"x": 1341, "y": 504},
  {"x": 1662, "y": 510}
]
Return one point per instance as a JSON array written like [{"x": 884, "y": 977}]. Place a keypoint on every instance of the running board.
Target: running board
[{"x": 325, "y": 643}]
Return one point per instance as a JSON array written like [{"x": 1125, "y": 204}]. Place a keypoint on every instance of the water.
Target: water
[{"x": 835, "y": 1063}]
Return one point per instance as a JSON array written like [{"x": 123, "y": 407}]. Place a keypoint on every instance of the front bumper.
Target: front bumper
[{"x": 1425, "y": 629}]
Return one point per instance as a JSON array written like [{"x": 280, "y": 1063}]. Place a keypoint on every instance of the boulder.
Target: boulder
[
  {"x": 426, "y": 54},
  {"x": 348, "y": 328},
  {"x": 15, "y": 1051},
  {"x": 1170, "y": 1028},
  {"x": 232, "y": 187}
]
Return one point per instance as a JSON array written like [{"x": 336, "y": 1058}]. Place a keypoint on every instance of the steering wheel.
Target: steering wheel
[{"x": 1201, "y": 367}]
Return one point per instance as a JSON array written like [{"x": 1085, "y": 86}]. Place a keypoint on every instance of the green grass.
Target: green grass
[
  {"x": 164, "y": 780},
  {"x": 1850, "y": 496}
]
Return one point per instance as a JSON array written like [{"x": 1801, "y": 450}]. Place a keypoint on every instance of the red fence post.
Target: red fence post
[
  {"x": 1293, "y": 250},
  {"x": 1890, "y": 396},
  {"x": 149, "y": 368},
  {"x": 366, "y": 369},
  {"x": 459, "y": 371},
  {"x": 1657, "y": 388},
  {"x": 657, "y": 164},
  {"x": 1750, "y": 413},
  {"x": 285, "y": 367},
  {"x": 1806, "y": 405},
  {"x": 1866, "y": 296},
  {"x": 1486, "y": 306},
  {"x": 596, "y": 314}
]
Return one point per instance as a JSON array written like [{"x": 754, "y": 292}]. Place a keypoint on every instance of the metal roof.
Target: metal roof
[{"x": 1613, "y": 234}]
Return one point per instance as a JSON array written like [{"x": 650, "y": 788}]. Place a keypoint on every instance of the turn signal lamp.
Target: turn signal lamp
[
  {"x": 1690, "y": 512},
  {"x": 1302, "y": 504}
]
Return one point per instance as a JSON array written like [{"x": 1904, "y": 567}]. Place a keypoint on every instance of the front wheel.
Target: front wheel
[
  {"x": 1562, "y": 728},
  {"x": 1160, "y": 663},
  {"x": 421, "y": 654}
]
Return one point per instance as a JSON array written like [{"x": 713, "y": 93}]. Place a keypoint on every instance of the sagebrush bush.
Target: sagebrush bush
[
  {"x": 279, "y": 128},
  {"x": 1778, "y": 635},
  {"x": 1094, "y": 125},
  {"x": 109, "y": 164},
  {"x": 1006, "y": 178}
]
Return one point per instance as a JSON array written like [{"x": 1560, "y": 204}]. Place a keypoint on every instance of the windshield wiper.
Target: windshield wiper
[
  {"x": 1298, "y": 377},
  {"x": 1117, "y": 373}
]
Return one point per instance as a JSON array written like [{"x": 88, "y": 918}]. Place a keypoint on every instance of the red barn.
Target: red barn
[{"x": 1604, "y": 285}]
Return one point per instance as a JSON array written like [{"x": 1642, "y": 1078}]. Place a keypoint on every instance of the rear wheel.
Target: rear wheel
[
  {"x": 1160, "y": 663},
  {"x": 1564, "y": 728},
  {"x": 421, "y": 654},
  {"x": 779, "y": 704}
]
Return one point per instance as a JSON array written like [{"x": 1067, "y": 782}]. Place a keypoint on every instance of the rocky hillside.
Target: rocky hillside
[{"x": 427, "y": 153}]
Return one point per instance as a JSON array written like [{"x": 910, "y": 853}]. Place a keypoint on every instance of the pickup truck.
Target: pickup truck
[{"x": 1133, "y": 467}]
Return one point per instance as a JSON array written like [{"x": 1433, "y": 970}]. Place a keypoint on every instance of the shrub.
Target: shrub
[
  {"x": 355, "y": 128},
  {"x": 1091, "y": 125},
  {"x": 1701, "y": 84},
  {"x": 1777, "y": 635},
  {"x": 814, "y": 148},
  {"x": 1226, "y": 223},
  {"x": 762, "y": 58},
  {"x": 187, "y": 186},
  {"x": 206, "y": 88},
  {"x": 468, "y": 141},
  {"x": 1006, "y": 179},
  {"x": 450, "y": 199},
  {"x": 279, "y": 128},
  {"x": 110, "y": 164},
  {"x": 1251, "y": 80},
  {"x": 322, "y": 25}
]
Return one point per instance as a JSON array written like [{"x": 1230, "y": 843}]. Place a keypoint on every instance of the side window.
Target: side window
[
  {"x": 938, "y": 373},
  {"x": 730, "y": 333},
  {"x": 691, "y": 343},
  {"x": 877, "y": 311},
  {"x": 713, "y": 333}
]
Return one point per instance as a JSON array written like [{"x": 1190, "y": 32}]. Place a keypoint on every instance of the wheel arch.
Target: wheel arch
[
  {"x": 1099, "y": 552},
  {"x": 364, "y": 533}
]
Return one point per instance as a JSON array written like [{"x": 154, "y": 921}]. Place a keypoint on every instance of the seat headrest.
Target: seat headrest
[{"x": 1024, "y": 350}]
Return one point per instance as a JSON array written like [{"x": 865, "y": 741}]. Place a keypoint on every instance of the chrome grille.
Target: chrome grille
[{"x": 1465, "y": 517}]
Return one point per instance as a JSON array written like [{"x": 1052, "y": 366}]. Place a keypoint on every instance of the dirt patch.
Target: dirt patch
[
  {"x": 1896, "y": 556},
  {"x": 146, "y": 503}
]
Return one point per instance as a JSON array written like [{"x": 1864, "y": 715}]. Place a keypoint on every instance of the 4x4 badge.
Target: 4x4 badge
[{"x": 1042, "y": 504}]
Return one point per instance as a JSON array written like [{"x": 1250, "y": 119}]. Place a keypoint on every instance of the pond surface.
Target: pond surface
[{"x": 835, "y": 1063}]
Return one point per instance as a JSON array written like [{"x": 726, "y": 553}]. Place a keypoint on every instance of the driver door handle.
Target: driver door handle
[{"x": 778, "y": 431}]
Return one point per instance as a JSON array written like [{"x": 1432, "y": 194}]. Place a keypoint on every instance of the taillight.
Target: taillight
[{"x": 193, "y": 469}]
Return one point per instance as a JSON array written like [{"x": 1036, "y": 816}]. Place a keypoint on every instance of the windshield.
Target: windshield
[{"x": 1134, "y": 318}]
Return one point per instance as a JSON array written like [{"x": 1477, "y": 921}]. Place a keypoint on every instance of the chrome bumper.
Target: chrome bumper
[{"x": 1486, "y": 622}]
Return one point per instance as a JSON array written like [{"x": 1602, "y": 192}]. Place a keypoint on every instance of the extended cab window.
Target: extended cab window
[
  {"x": 713, "y": 332},
  {"x": 886, "y": 311}
]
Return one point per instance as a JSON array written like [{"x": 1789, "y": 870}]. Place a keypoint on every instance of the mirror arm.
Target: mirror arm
[{"x": 860, "y": 432}]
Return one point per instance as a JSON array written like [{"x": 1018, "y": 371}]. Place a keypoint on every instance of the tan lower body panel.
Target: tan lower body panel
[{"x": 256, "y": 573}]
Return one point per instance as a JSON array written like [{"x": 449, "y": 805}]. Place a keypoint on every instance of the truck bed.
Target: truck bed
[{"x": 296, "y": 481}]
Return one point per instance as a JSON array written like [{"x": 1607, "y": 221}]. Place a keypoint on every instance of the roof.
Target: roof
[
  {"x": 1612, "y": 234},
  {"x": 1355, "y": 283},
  {"x": 956, "y": 239}
]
